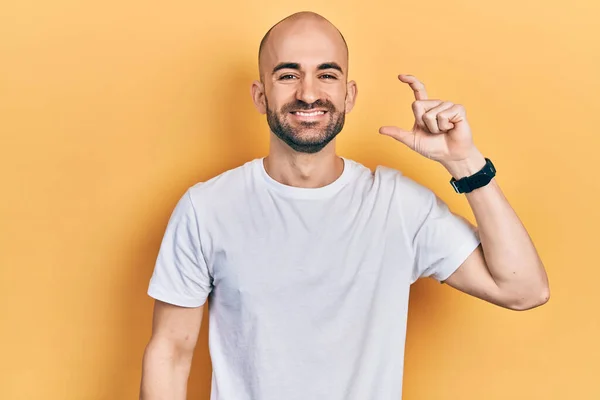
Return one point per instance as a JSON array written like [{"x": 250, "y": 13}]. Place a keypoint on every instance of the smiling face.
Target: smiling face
[{"x": 304, "y": 89}]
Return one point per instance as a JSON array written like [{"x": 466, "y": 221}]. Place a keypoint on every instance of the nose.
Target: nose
[{"x": 308, "y": 90}]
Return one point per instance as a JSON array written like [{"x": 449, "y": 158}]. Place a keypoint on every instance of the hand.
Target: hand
[{"x": 440, "y": 132}]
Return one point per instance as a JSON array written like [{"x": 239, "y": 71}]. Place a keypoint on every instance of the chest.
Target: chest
[{"x": 296, "y": 253}]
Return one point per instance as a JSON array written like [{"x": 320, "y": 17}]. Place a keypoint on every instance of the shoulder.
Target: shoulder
[
  {"x": 415, "y": 201},
  {"x": 391, "y": 184},
  {"x": 402, "y": 186},
  {"x": 219, "y": 191},
  {"x": 227, "y": 183}
]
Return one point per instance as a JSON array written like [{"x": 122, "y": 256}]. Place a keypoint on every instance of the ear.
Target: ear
[
  {"x": 257, "y": 91},
  {"x": 351, "y": 93}
]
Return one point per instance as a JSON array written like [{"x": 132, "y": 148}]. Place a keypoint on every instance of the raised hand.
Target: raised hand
[{"x": 440, "y": 132}]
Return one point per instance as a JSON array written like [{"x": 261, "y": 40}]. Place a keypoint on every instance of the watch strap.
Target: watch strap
[{"x": 475, "y": 181}]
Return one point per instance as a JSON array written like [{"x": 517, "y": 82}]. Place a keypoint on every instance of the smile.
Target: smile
[{"x": 308, "y": 115}]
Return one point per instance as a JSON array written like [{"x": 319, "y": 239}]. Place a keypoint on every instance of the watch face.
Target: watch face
[
  {"x": 475, "y": 181},
  {"x": 491, "y": 166}
]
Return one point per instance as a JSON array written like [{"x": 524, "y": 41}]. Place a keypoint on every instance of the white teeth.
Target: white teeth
[{"x": 311, "y": 114}]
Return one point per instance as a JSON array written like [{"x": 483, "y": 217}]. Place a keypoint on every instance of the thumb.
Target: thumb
[{"x": 406, "y": 137}]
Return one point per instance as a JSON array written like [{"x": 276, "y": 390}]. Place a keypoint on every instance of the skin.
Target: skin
[
  {"x": 309, "y": 41},
  {"x": 504, "y": 270}
]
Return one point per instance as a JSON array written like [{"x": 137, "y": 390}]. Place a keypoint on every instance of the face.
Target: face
[
  {"x": 305, "y": 93},
  {"x": 306, "y": 128}
]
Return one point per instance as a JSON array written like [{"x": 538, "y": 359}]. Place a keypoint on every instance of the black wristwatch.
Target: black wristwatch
[{"x": 475, "y": 181}]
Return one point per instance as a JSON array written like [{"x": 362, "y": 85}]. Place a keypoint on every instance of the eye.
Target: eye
[
  {"x": 328, "y": 76},
  {"x": 286, "y": 77}
]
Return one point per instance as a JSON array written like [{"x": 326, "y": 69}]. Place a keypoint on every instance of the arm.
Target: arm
[
  {"x": 168, "y": 355},
  {"x": 506, "y": 269}
]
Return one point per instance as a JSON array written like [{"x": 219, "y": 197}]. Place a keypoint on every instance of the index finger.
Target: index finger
[{"x": 416, "y": 85}]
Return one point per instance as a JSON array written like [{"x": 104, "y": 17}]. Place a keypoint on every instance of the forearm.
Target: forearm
[
  {"x": 165, "y": 372},
  {"x": 510, "y": 255}
]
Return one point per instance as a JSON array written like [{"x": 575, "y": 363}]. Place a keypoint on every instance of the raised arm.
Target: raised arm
[{"x": 506, "y": 269}]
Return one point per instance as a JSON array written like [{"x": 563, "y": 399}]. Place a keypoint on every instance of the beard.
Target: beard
[{"x": 307, "y": 136}]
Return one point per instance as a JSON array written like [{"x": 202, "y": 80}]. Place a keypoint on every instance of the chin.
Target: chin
[{"x": 310, "y": 137}]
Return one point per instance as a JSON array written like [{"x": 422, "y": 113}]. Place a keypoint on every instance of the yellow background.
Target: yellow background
[{"x": 110, "y": 110}]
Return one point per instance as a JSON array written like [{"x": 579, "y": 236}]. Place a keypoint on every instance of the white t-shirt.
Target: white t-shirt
[{"x": 308, "y": 288}]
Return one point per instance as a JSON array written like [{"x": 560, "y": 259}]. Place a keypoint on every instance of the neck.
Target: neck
[{"x": 303, "y": 170}]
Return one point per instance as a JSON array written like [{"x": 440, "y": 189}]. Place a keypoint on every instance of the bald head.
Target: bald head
[
  {"x": 296, "y": 26},
  {"x": 303, "y": 88}
]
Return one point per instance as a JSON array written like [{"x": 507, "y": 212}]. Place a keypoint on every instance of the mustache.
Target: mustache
[{"x": 300, "y": 105}]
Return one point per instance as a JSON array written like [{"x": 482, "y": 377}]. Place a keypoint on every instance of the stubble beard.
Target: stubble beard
[{"x": 298, "y": 137}]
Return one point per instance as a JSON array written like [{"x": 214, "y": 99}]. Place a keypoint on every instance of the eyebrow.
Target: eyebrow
[{"x": 296, "y": 66}]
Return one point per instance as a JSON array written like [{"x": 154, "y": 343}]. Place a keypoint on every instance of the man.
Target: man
[{"x": 307, "y": 258}]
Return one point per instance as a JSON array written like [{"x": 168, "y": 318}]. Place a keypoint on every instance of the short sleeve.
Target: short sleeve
[
  {"x": 181, "y": 276},
  {"x": 441, "y": 240}
]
